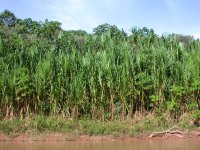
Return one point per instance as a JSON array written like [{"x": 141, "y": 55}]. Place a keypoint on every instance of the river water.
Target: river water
[{"x": 171, "y": 144}]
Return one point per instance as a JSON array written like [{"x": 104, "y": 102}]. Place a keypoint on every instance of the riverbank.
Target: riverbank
[
  {"x": 56, "y": 137},
  {"x": 57, "y": 128}
]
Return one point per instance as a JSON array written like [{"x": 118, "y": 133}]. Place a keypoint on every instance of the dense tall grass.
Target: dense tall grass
[{"x": 96, "y": 76}]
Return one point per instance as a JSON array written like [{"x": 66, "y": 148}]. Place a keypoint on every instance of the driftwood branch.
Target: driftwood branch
[{"x": 175, "y": 132}]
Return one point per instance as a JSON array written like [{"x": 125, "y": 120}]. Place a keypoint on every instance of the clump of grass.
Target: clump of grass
[
  {"x": 92, "y": 127},
  {"x": 103, "y": 128},
  {"x": 38, "y": 124},
  {"x": 52, "y": 124},
  {"x": 12, "y": 126}
]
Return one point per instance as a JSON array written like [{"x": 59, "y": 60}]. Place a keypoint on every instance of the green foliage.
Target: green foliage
[
  {"x": 40, "y": 124},
  {"x": 43, "y": 123},
  {"x": 104, "y": 76},
  {"x": 110, "y": 30},
  {"x": 7, "y": 18},
  {"x": 100, "y": 128},
  {"x": 12, "y": 126}
]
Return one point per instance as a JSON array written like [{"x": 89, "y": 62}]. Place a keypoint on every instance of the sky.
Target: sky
[{"x": 164, "y": 16}]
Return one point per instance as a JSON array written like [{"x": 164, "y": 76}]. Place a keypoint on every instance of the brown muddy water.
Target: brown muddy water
[{"x": 167, "y": 144}]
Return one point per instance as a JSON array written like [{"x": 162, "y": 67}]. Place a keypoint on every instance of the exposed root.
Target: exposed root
[{"x": 175, "y": 132}]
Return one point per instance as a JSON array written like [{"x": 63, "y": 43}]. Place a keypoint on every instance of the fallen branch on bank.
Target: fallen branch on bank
[{"x": 176, "y": 132}]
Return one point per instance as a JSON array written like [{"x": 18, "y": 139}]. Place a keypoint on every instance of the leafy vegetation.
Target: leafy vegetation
[{"x": 107, "y": 75}]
